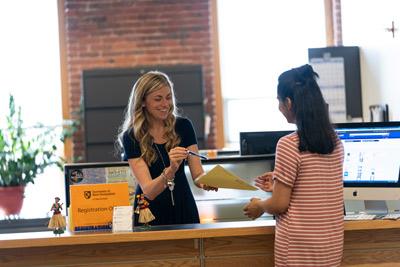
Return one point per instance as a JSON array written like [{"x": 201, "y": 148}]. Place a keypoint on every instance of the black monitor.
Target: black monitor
[
  {"x": 371, "y": 169},
  {"x": 224, "y": 205},
  {"x": 256, "y": 143},
  {"x": 95, "y": 173}
]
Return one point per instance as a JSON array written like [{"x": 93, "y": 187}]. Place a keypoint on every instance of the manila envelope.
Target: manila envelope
[{"x": 222, "y": 178}]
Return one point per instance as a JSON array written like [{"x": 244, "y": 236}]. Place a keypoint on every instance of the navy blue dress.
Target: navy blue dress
[{"x": 185, "y": 209}]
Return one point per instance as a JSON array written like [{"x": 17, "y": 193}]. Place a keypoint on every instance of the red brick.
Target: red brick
[{"x": 121, "y": 34}]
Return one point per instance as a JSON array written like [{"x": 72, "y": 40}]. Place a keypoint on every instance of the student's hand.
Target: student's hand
[
  {"x": 176, "y": 156},
  {"x": 265, "y": 182},
  {"x": 253, "y": 209}
]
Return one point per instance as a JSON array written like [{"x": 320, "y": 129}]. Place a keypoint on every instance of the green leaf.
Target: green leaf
[{"x": 23, "y": 158}]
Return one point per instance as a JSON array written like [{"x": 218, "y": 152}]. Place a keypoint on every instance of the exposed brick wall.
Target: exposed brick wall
[{"x": 131, "y": 33}]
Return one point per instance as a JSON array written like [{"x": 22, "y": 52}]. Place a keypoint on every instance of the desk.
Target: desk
[{"x": 367, "y": 243}]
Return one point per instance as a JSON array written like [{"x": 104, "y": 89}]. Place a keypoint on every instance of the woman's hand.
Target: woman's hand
[
  {"x": 253, "y": 209},
  {"x": 176, "y": 156},
  {"x": 265, "y": 182},
  {"x": 206, "y": 187}
]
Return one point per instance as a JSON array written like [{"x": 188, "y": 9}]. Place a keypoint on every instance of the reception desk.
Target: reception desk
[{"x": 367, "y": 243}]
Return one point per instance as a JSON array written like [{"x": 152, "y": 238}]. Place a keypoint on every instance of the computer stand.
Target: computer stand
[{"x": 377, "y": 207}]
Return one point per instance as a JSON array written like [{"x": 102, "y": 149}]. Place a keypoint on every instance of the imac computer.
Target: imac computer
[{"x": 371, "y": 169}]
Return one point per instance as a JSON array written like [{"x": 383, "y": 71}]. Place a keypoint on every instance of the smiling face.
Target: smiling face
[{"x": 158, "y": 104}]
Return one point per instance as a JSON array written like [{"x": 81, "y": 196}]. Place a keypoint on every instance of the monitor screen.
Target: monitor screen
[
  {"x": 224, "y": 205},
  {"x": 95, "y": 173},
  {"x": 256, "y": 143},
  {"x": 371, "y": 153}
]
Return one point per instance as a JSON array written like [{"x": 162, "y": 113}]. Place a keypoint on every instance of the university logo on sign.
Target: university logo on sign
[
  {"x": 87, "y": 194},
  {"x": 92, "y": 205}
]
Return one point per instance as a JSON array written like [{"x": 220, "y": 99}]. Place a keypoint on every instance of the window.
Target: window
[
  {"x": 379, "y": 46},
  {"x": 258, "y": 40},
  {"x": 30, "y": 70}
]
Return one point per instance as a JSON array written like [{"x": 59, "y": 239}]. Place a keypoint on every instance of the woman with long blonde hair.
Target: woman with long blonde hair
[{"x": 156, "y": 142}]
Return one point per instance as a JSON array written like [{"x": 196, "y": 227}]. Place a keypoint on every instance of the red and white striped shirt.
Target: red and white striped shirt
[{"x": 310, "y": 232}]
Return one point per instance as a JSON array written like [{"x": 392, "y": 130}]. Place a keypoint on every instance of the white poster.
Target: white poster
[{"x": 332, "y": 83}]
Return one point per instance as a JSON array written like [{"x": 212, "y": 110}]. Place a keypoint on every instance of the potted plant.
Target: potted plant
[{"x": 22, "y": 158}]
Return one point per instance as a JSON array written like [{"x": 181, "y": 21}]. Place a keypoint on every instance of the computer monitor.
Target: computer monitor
[
  {"x": 256, "y": 143},
  {"x": 95, "y": 173},
  {"x": 222, "y": 206},
  {"x": 371, "y": 170}
]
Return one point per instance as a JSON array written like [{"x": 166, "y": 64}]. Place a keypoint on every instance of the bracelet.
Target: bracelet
[{"x": 166, "y": 178}]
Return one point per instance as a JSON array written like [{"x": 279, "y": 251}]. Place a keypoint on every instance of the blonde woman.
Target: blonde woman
[{"x": 156, "y": 142}]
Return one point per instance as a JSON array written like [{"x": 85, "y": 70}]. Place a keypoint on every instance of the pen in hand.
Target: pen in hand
[{"x": 197, "y": 155}]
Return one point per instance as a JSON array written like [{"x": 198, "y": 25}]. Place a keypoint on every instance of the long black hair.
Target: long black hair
[{"x": 314, "y": 128}]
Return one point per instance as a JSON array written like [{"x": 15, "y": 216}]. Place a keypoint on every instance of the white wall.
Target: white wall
[{"x": 364, "y": 25}]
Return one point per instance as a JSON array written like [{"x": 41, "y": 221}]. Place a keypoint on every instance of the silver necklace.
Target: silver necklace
[{"x": 170, "y": 183}]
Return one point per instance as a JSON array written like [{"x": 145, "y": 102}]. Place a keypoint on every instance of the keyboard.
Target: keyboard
[
  {"x": 391, "y": 216},
  {"x": 359, "y": 216}
]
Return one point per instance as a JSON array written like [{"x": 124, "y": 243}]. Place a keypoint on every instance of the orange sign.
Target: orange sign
[{"x": 92, "y": 205}]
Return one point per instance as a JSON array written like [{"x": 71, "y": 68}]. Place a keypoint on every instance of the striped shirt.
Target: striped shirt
[{"x": 310, "y": 232}]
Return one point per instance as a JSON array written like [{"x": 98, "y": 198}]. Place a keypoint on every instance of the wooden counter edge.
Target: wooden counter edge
[
  {"x": 371, "y": 225},
  {"x": 107, "y": 237}
]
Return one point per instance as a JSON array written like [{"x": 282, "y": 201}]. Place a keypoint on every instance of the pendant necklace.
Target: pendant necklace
[{"x": 170, "y": 183}]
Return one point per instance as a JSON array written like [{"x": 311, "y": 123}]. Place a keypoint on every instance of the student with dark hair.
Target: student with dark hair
[{"x": 307, "y": 183}]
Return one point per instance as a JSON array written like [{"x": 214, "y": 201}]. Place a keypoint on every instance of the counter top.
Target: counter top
[
  {"x": 175, "y": 232},
  {"x": 219, "y": 159}
]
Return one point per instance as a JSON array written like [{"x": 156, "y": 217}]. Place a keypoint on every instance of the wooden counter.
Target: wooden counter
[{"x": 367, "y": 243}]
